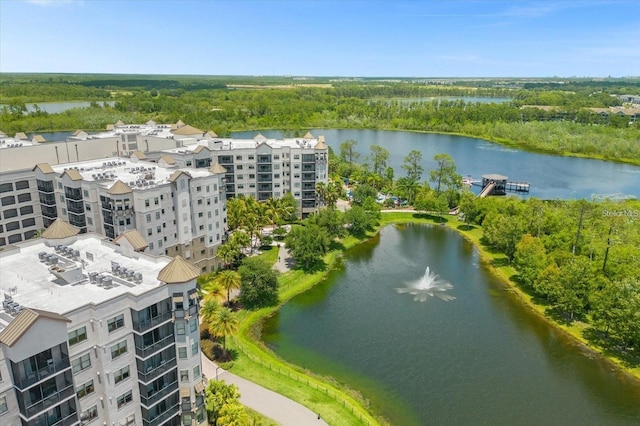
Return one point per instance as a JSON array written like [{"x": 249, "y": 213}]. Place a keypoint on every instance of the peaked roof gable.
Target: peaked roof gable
[
  {"x": 59, "y": 230},
  {"x": 308, "y": 136},
  {"x": 187, "y": 130},
  {"x": 178, "y": 271},
  {"x": 175, "y": 175},
  {"x": 217, "y": 169},
  {"x": 23, "y": 322},
  {"x": 167, "y": 159},
  {"x": 73, "y": 174},
  {"x": 119, "y": 188},
  {"x": 134, "y": 238},
  {"x": 20, "y": 136},
  {"x": 44, "y": 168},
  {"x": 139, "y": 155}
]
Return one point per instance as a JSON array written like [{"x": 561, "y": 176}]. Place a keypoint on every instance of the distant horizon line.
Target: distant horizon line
[{"x": 301, "y": 76}]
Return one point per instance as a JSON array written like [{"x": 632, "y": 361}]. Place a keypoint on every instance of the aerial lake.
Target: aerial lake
[
  {"x": 481, "y": 358},
  {"x": 550, "y": 176}
]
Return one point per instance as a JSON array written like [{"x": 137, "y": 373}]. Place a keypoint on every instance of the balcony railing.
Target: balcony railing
[
  {"x": 149, "y": 400},
  {"x": 171, "y": 411},
  {"x": 143, "y": 326},
  {"x": 36, "y": 376},
  {"x": 157, "y": 371},
  {"x": 149, "y": 349},
  {"x": 50, "y": 401}
]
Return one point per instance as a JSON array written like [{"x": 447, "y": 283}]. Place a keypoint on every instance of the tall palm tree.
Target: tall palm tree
[
  {"x": 229, "y": 280},
  {"x": 212, "y": 290},
  {"x": 223, "y": 323},
  {"x": 321, "y": 193},
  {"x": 209, "y": 308}
]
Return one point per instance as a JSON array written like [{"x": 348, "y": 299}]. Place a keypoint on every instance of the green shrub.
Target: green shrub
[
  {"x": 208, "y": 350},
  {"x": 204, "y": 331}
]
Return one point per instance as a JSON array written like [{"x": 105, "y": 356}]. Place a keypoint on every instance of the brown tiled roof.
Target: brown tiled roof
[
  {"x": 139, "y": 155},
  {"x": 175, "y": 175},
  {"x": 211, "y": 134},
  {"x": 77, "y": 132},
  {"x": 199, "y": 149},
  {"x": 134, "y": 238},
  {"x": 179, "y": 123},
  {"x": 39, "y": 138},
  {"x": 308, "y": 136},
  {"x": 259, "y": 137},
  {"x": 59, "y": 230},
  {"x": 44, "y": 168},
  {"x": 110, "y": 127},
  {"x": 23, "y": 322},
  {"x": 320, "y": 144},
  {"x": 119, "y": 188},
  {"x": 187, "y": 130},
  {"x": 217, "y": 169},
  {"x": 20, "y": 136},
  {"x": 73, "y": 174},
  {"x": 168, "y": 159},
  {"x": 178, "y": 271},
  {"x": 119, "y": 123}
]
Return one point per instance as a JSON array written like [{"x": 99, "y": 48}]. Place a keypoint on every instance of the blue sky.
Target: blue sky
[{"x": 420, "y": 38}]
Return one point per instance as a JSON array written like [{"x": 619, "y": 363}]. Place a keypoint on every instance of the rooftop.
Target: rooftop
[
  {"x": 108, "y": 171},
  {"x": 63, "y": 278}
]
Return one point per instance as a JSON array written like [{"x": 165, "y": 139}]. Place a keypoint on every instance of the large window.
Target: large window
[
  {"x": 81, "y": 363},
  {"x": 196, "y": 372},
  {"x": 77, "y": 336},
  {"x": 182, "y": 352},
  {"x": 85, "y": 389},
  {"x": 194, "y": 348},
  {"x": 115, "y": 323},
  {"x": 124, "y": 399},
  {"x": 184, "y": 375},
  {"x": 118, "y": 349},
  {"x": 121, "y": 374},
  {"x": 3, "y": 404},
  {"x": 89, "y": 415}
]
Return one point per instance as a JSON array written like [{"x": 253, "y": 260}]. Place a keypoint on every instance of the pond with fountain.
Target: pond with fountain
[{"x": 422, "y": 328}]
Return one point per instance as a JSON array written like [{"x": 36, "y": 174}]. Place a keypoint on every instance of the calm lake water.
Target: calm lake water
[
  {"x": 550, "y": 176},
  {"x": 481, "y": 359}
]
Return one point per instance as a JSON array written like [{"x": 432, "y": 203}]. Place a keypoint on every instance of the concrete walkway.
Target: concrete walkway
[
  {"x": 273, "y": 405},
  {"x": 269, "y": 403}
]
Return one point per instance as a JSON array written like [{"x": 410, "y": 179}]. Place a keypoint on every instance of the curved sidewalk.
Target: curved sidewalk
[{"x": 271, "y": 404}]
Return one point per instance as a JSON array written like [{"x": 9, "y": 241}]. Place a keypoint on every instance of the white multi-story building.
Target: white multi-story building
[
  {"x": 95, "y": 332},
  {"x": 258, "y": 167}
]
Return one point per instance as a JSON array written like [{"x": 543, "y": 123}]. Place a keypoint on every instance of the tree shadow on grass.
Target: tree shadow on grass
[
  {"x": 309, "y": 268},
  {"x": 613, "y": 347},
  {"x": 500, "y": 262},
  {"x": 466, "y": 227},
  {"x": 336, "y": 245},
  {"x": 427, "y": 216},
  {"x": 562, "y": 317}
]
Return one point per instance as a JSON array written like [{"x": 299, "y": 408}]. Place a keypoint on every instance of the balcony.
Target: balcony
[
  {"x": 143, "y": 326},
  {"x": 24, "y": 381},
  {"x": 155, "y": 347},
  {"x": 308, "y": 177},
  {"x": 169, "y": 413},
  {"x": 157, "y": 371},
  {"x": 50, "y": 401},
  {"x": 151, "y": 399}
]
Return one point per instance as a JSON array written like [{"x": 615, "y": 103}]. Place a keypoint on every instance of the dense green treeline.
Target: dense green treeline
[
  {"x": 580, "y": 258},
  {"x": 573, "y": 130}
]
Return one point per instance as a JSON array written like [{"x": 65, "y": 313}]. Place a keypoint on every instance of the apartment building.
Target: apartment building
[
  {"x": 94, "y": 332},
  {"x": 167, "y": 210},
  {"x": 259, "y": 167}
]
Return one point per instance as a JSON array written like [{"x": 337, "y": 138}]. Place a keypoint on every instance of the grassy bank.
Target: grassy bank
[{"x": 334, "y": 402}]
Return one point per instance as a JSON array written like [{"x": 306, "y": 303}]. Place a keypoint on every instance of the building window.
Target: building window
[
  {"x": 193, "y": 324},
  {"x": 121, "y": 375},
  {"x": 239, "y": 157},
  {"x": 194, "y": 348},
  {"x": 148, "y": 217},
  {"x": 118, "y": 349},
  {"x": 77, "y": 336},
  {"x": 115, "y": 323},
  {"x": 146, "y": 203},
  {"x": 80, "y": 364},
  {"x": 184, "y": 375},
  {"x": 124, "y": 399},
  {"x": 149, "y": 232},
  {"x": 89, "y": 415},
  {"x": 182, "y": 352},
  {"x": 85, "y": 389},
  {"x": 3, "y": 404},
  {"x": 196, "y": 372},
  {"x": 157, "y": 215},
  {"x": 180, "y": 327},
  {"x": 156, "y": 201},
  {"x": 198, "y": 188}
]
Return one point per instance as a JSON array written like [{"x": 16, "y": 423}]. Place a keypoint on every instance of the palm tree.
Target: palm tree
[
  {"x": 223, "y": 323},
  {"x": 209, "y": 308},
  {"x": 321, "y": 193},
  {"x": 212, "y": 290},
  {"x": 233, "y": 414},
  {"x": 229, "y": 280}
]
